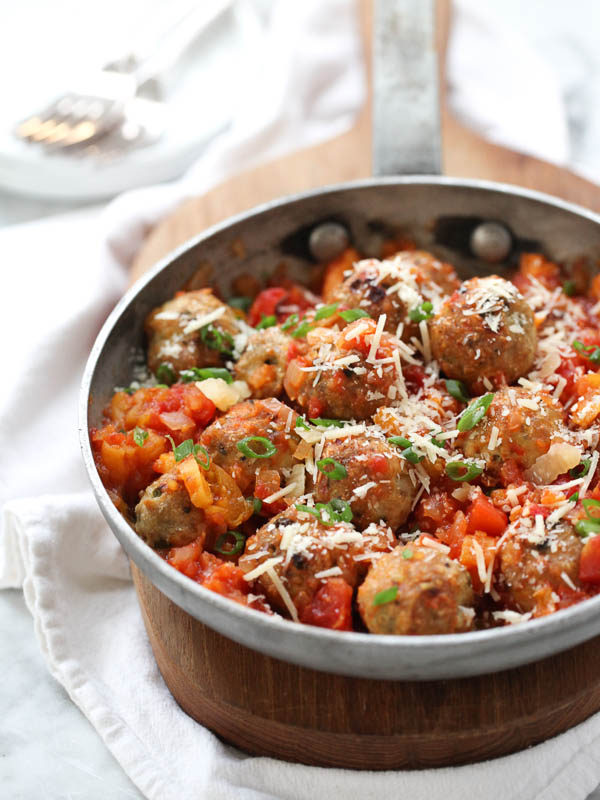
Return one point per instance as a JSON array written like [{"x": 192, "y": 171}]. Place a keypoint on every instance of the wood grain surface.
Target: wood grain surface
[
  {"x": 348, "y": 157},
  {"x": 269, "y": 707}
]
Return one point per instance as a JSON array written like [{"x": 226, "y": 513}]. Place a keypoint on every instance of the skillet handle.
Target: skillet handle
[{"x": 406, "y": 113}]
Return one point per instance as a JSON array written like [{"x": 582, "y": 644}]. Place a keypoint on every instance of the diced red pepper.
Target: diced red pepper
[
  {"x": 589, "y": 565},
  {"x": 484, "y": 516},
  {"x": 331, "y": 606}
]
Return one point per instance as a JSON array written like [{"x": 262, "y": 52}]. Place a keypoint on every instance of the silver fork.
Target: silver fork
[{"x": 97, "y": 107}]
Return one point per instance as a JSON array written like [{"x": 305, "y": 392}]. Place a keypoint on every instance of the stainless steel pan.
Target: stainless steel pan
[{"x": 442, "y": 214}]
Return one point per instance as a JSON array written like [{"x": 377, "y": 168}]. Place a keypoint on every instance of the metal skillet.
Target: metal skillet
[{"x": 447, "y": 216}]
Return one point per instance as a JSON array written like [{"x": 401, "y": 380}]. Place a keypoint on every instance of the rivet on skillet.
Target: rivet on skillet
[
  {"x": 327, "y": 241},
  {"x": 491, "y": 241}
]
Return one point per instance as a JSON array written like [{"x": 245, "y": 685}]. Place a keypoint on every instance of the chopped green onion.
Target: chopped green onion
[
  {"x": 158, "y": 386},
  {"x": 458, "y": 390},
  {"x": 243, "y": 303},
  {"x": 326, "y": 311},
  {"x": 166, "y": 374},
  {"x": 352, "y": 314},
  {"x": 573, "y": 498},
  {"x": 406, "y": 553},
  {"x": 386, "y": 596},
  {"x": 301, "y": 330},
  {"x": 301, "y": 423},
  {"x": 569, "y": 288},
  {"x": 292, "y": 320},
  {"x": 475, "y": 412},
  {"x": 256, "y": 504},
  {"x": 203, "y": 373},
  {"x": 338, "y": 472},
  {"x": 266, "y": 322},
  {"x": 462, "y": 470},
  {"x": 322, "y": 422},
  {"x": 438, "y": 443},
  {"x": 408, "y": 451},
  {"x": 589, "y": 351},
  {"x": 587, "y": 504},
  {"x": 421, "y": 312},
  {"x": 587, "y": 527},
  {"x": 221, "y": 545},
  {"x": 182, "y": 450},
  {"x": 140, "y": 436},
  {"x": 198, "y": 448},
  {"x": 244, "y": 447},
  {"x": 216, "y": 339},
  {"x": 329, "y": 513},
  {"x": 582, "y": 469}
]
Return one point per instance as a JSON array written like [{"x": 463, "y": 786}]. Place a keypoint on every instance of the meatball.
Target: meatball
[
  {"x": 372, "y": 463},
  {"x": 428, "y": 593},
  {"x": 263, "y": 363},
  {"x": 267, "y": 418},
  {"x": 165, "y": 515},
  {"x": 338, "y": 377},
  {"x": 527, "y": 425},
  {"x": 306, "y": 547},
  {"x": 176, "y": 339},
  {"x": 533, "y": 564},
  {"x": 396, "y": 286},
  {"x": 485, "y": 330}
]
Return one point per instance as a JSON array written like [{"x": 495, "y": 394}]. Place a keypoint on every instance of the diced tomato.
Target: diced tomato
[
  {"x": 331, "y": 606},
  {"x": 484, "y": 516},
  {"x": 589, "y": 565},
  {"x": 268, "y": 481},
  {"x": 315, "y": 407},
  {"x": 468, "y": 556},
  {"x": 377, "y": 464},
  {"x": 266, "y": 304},
  {"x": 454, "y": 533}
]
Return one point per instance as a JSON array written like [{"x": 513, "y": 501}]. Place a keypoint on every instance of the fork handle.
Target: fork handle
[{"x": 164, "y": 52}]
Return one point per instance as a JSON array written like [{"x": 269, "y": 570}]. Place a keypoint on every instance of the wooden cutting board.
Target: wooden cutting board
[
  {"x": 272, "y": 708},
  {"x": 348, "y": 157}
]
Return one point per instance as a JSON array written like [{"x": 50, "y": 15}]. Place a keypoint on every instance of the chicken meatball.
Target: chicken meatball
[
  {"x": 232, "y": 439},
  {"x": 527, "y": 425},
  {"x": 165, "y": 515},
  {"x": 485, "y": 330},
  {"x": 396, "y": 286},
  {"x": 306, "y": 548},
  {"x": 535, "y": 564},
  {"x": 263, "y": 362},
  {"x": 338, "y": 377},
  {"x": 177, "y": 336},
  {"x": 374, "y": 480},
  {"x": 416, "y": 590}
]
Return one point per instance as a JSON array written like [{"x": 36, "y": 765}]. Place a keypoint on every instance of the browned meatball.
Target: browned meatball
[
  {"x": 267, "y": 418},
  {"x": 485, "y": 330},
  {"x": 527, "y": 425},
  {"x": 305, "y": 548},
  {"x": 396, "y": 286},
  {"x": 376, "y": 484},
  {"x": 338, "y": 378},
  {"x": 165, "y": 515},
  {"x": 426, "y": 593},
  {"x": 533, "y": 564},
  {"x": 175, "y": 337},
  {"x": 263, "y": 362}
]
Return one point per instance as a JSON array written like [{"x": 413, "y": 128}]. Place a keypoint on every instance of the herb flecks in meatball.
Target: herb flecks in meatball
[
  {"x": 195, "y": 329},
  {"x": 303, "y": 553},
  {"x": 519, "y": 426},
  {"x": 369, "y": 474},
  {"x": 346, "y": 375},
  {"x": 165, "y": 515},
  {"x": 397, "y": 287},
  {"x": 234, "y": 441},
  {"x": 537, "y": 564},
  {"x": 484, "y": 334},
  {"x": 263, "y": 363},
  {"x": 416, "y": 590}
]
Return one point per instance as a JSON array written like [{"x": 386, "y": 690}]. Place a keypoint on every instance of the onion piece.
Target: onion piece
[{"x": 560, "y": 458}]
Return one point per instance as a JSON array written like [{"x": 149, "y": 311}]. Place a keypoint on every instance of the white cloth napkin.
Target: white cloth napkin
[{"x": 61, "y": 277}]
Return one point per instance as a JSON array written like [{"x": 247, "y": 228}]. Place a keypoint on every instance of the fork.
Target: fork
[{"x": 90, "y": 112}]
